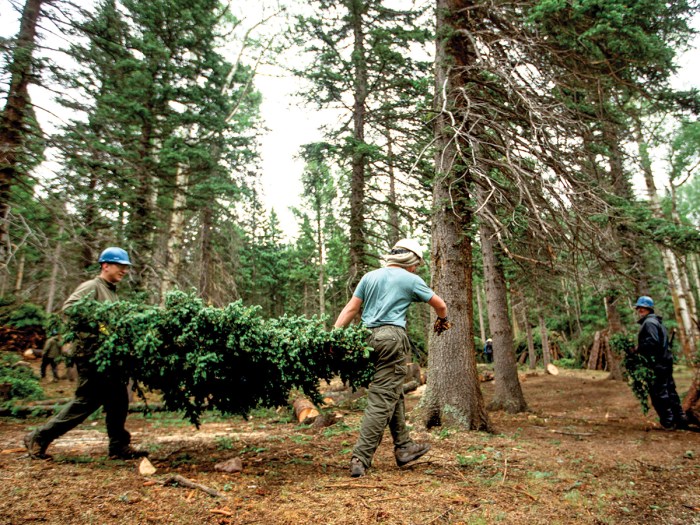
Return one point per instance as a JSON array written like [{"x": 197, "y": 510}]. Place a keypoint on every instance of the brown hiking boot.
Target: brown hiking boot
[
  {"x": 357, "y": 469},
  {"x": 35, "y": 448},
  {"x": 410, "y": 453},
  {"x": 127, "y": 452}
]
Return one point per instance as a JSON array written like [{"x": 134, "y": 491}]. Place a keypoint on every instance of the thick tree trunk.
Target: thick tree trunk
[
  {"x": 508, "y": 394},
  {"x": 13, "y": 123},
  {"x": 453, "y": 392},
  {"x": 359, "y": 158}
]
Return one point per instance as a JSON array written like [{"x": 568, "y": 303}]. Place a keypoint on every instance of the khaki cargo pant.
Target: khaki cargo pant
[
  {"x": 385, "y": 401},
  {"x": 94, "y": 391}
]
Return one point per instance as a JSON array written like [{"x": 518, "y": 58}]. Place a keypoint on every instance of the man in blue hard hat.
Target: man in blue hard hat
[
  {"x": 653, "y": 343},
  {"x": 94, "y": 389}
]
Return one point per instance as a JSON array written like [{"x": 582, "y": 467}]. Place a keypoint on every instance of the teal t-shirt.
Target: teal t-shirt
[{"x": 387, "y": 293}]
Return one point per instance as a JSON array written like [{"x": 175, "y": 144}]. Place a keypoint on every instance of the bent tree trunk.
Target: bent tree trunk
[
  {"x": 453, "y": 393},
  {"x": 14, "y": 116},
  {"x": 508, "y": 394}
]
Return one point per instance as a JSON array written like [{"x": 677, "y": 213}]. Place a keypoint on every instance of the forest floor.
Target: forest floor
[{"x": 585, "y": 453}]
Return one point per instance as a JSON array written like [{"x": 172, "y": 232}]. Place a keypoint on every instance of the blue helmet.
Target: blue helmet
[
  {"x": 645, "y": 302},
  {"x": 114, "y": 255}
]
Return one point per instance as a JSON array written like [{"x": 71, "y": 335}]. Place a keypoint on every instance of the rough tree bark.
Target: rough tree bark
[
  {"x": 359, "y": 158},
  {"x": 453, "y": 393},
  {"x": 508, "y": 394}
]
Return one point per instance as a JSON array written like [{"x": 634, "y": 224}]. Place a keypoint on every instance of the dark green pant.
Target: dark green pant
[
  {"x": 385, "y": 401},
  {"x": 94, "y": 391}
]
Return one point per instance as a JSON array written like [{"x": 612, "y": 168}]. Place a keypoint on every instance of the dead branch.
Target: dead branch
[{"x": 176, "y": 479}]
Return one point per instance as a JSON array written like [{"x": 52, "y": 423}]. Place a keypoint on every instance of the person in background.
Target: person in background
[
  {"x": 384, "y": 296},
  {"x": 52, "y": 351},
  {"x": 95, "y": 389},
  {"x": 488, "y": 351},
  {"x": 653, "y": 343}
]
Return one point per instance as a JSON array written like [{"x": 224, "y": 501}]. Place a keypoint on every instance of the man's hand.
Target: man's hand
[{"x": 441, "y": 324}]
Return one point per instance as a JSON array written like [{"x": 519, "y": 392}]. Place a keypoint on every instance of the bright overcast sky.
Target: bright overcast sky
[{"x": 291, "y": 124}]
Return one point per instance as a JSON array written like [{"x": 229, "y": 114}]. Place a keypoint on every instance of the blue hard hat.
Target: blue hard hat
[
  {"x": 114, "y": 255},
  {"x": 644, "y": 302}
]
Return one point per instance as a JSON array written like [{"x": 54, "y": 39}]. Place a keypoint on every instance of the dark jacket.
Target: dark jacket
[{"x": 652, "y": 340}]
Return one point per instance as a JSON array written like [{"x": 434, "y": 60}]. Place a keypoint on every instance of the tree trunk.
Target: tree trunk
[
  {"x": 614, "y": 327},
  {"x": 321, "y": 266},
  {"x": 51, "y": 295},
  {"x": 206, "y": 266},
  {"x": 359, "y": 157},
  {"x": 530, "y": 344},
  {"x": 394, "y": 230},
  {"x": 453, "y": 392},
  {"x": 19, "y": 276},
  {"x": 680, "y": 304},
  {"x": 508, "y": 394},
  {"x": 479, "y": 306},
  {"x": 176, "y": 234},
  {"x": 13, "y": 122},
  {"x": 546, "y": 356}
]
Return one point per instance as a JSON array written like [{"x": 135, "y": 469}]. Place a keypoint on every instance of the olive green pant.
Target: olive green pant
[
  {"x": 94, "y": 391},
  {"x": 385, "y": 401}
]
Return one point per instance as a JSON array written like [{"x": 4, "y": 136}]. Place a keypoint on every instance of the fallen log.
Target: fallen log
[{"x": 304, "y": 410}]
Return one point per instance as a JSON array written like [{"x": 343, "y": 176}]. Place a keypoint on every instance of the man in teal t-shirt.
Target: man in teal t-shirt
[{"x": 384, "y": 296}]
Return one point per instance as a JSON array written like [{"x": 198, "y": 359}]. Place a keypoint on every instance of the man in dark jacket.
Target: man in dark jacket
[
  {"x": 94, "y": 389},
  {"x": 653, "y": 343},
  {"x": 52, "y": 351}
]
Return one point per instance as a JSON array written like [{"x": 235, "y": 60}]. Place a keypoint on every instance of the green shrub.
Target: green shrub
[
  {"x": 24, "y": 315},
  {"x": 17, "y": 382}
]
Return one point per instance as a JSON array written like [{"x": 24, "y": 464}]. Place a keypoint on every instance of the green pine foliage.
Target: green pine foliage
[
  {"x": 230, "y": 359},
  {"x": 638, "y": 369},
  {"x": 17, "y": 382}
]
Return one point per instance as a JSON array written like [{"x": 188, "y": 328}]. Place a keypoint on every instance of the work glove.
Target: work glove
[{"x": 441, "y": 324}]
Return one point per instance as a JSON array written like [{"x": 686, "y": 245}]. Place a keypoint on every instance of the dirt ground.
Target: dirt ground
[{"x": 585, "y": 453}]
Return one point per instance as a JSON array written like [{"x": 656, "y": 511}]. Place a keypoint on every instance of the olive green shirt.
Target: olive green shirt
[{"x": 101, "y": 290}]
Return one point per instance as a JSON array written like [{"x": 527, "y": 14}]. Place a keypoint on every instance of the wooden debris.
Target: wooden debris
[
  {"x": 410, "y": 386},
  {"x": 146, "y": 468},
  {"x": 231, "y": 466},
  {"x": 184, "y": 482},
  {"x": 304, "y": 410},
  {"x": 487, "y": 375},
  {"x": 552, "y": 370},
  {"x": 326, "y": 420}
]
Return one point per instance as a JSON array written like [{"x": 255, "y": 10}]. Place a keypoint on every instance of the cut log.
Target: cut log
[
  {"x": 553, "y": 370},
  {"x": 304, "y": 410}
]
